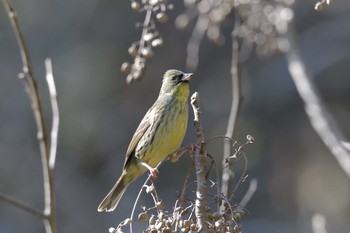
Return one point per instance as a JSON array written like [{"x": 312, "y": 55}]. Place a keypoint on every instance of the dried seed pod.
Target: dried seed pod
[
  {"x": 129, "y": 78},
  {"x": 162, "y": 17},
  {"x": 148, "y": 36},
  {"x": 184, "y": 230},
  {"x": 126, "y": 67},
  {"x": 147, "y": 53},
  {"x": 132, "y": 50},
  {"x": 160, "y": 205},
  {"x": 319, "y": 6},
  {"x": 135, "y": 6},
  {"x": 216, "y": 216},
  {"x": 250, "y": 138},
  {"x": 187, "y": 223},
  {"x": 137, "y": 74},
  {"x": 152, "y": 220},
  {"x": 143, "y": 216},
  {"x": 157, "y": 42},
  {"x": 237, "y": 229}
]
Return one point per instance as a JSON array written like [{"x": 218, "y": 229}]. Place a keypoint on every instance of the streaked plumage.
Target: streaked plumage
[{"x": 160, "y": 132}]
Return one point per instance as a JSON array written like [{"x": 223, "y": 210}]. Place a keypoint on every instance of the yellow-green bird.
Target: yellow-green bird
[{"x": 160, "y": 133}]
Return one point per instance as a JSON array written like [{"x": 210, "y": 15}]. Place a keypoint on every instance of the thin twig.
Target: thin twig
[
  {"x": 217, "y": 174},
  {"x": 200, "y": 165},
  {"x": 319, "y": 116},
  {"x": 21, "y": 205},
  {"x": 55, "y": 113},
  {"x": 185, "y": 185},
  {"x": 227, "y": 173},
  {"x": 137, "y": 200},
  {"x": 249, "y": 194},
  {"x": 243, "y": 175},
  {"x": 31, "y": 87}
]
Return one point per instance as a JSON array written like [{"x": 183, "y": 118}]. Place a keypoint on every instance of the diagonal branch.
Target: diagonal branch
[
  {"x": 319, "y": 116},
  {"x": 21, "y": 205}
]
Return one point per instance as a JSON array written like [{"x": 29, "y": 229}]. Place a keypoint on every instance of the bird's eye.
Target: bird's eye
[{"x": 177, "y": 77}]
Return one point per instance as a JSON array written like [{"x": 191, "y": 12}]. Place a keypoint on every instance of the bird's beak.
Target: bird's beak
[{"x": 187, "y": 77}]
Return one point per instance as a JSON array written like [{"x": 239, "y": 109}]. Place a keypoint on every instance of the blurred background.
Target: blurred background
[{"x": 88, "y": 40}]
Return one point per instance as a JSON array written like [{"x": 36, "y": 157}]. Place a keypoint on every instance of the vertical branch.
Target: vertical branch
[
  {"x": 200, "y": 165},
  {"x": 31, "y": 87},
  {"x": 319, "y": 116},
  {"x": 227, "y": 174},
  {"x": 55, "y": 113},
  {"x": 50, "y": 207}
]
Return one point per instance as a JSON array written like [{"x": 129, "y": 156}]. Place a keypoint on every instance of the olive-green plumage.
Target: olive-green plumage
[{"x": 160, "y": 132}]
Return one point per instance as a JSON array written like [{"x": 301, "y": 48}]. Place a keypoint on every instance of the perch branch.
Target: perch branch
[{"x": 200, "y": 165}]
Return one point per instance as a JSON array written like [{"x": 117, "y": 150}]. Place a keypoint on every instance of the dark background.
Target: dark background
[{"x": 88, "y": 40}]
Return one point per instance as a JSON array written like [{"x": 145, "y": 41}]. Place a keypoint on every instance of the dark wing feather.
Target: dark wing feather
[{"x": 140, "y": 131}]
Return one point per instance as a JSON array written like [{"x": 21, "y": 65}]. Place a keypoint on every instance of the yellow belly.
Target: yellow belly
[{"x": 168, "y": 139}]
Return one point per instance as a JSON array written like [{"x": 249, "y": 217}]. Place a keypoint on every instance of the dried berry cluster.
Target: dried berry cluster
[
  {"x": 260, "y": 20},
  {"x": 182, "y": 219},
  {"x": 212, "y": 14},
  {"x": 140, "y": 51}
]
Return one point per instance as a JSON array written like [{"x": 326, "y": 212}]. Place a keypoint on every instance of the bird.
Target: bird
[{"x": 160, "y": 132}]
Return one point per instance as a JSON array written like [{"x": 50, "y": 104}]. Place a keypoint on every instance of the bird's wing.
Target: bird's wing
[{"x": 140, "y": 131}]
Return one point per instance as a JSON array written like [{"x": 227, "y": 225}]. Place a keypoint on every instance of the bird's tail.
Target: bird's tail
[{"x": 112, "y": 199}]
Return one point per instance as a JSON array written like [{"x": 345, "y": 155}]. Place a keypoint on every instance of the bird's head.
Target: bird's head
[{"x": 176, "y": 82}]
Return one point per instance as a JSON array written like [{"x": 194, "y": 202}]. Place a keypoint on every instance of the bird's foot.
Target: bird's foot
[
  {"x": 192, "y": 147},
  {"x": 153, "y": 171}
]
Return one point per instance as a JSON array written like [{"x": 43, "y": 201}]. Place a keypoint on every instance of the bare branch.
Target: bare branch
[
  {"x": 55, "y": 113},
  {"x": 200, "y": 165},
  {"x": 21, "y": 205},
  {"x": 319, "y": 116},
  {"x": 227, "y": 174},
  {"x": 31, "y": 87}
]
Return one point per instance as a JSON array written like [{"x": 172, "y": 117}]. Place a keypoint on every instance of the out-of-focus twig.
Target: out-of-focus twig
[
  {"x": 195, "y": 41},
  {"x": 31, "y": 87},
  {"x": 200, "y": 165},
  {"x": 319, "y": 116},
  {"x": 318, "y": 223},
  {"x": 248, "y": 195},
  {"x": 55, "y": 113},
  {"x": 227, "y": 174}
]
